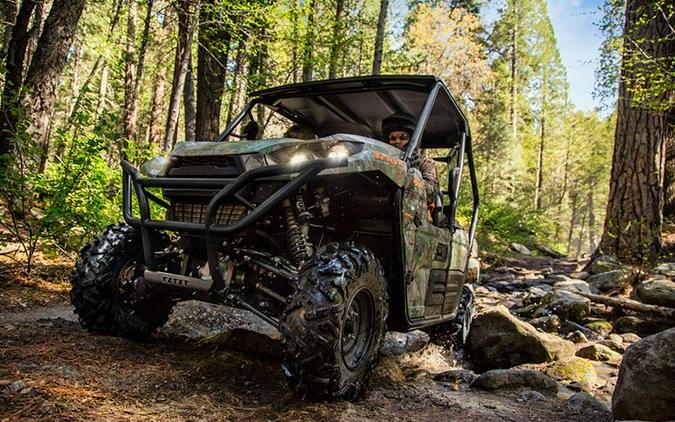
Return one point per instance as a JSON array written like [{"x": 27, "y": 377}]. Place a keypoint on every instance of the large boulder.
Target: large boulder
[
  {"x": 565, "y": 304},
  {"x": 499, "y": 340},
  {"x": 515, "y": 378},
  {"x": 604, "y": 263},
  {"x": 395, "y": 343},
  {"x": 657, "y": 292},
  {"x": 645, "y": 389},
  {"x": 610, "y": 280},
  {"x": 667, "y": 269},
  {"x": 521, "y": 249},
  {"x": 572, "y": 285}
]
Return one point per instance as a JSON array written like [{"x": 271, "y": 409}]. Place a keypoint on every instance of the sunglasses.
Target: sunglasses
[{"x": 403, "y": 137}]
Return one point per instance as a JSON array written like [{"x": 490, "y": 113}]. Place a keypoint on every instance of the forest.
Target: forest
[
  {"x": 356, "y": 284},
  {"x": 86, "y": 83}
]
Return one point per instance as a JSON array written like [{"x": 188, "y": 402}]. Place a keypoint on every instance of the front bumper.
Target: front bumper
[{"x": 297, "y": 175}]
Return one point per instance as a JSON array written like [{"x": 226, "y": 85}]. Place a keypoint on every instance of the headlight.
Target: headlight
[
  {"x": 338, "y": 151},
  {"x": 298, "y": 158}
]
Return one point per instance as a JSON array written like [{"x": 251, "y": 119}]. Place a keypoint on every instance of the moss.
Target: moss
[
  {"x": 603, "y": 328},
  {"x": 572, "y": 369}
]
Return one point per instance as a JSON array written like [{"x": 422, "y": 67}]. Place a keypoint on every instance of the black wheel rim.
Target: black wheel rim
[
  {"x": 357, "y": 329},
  {"x": 126, "y": 282}
]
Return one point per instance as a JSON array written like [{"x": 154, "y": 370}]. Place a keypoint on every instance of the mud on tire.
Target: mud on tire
[
  {"x": 334, "y": 325},
  {"x": 100, "y": 305}
]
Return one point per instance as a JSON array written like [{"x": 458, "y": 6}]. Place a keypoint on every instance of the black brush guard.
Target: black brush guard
[{"x": 227, "y": 190}]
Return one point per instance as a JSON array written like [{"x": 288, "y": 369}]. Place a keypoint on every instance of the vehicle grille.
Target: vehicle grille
[
  {"x": 206, "y": 166},
  {"x": 205, "y": 160},
  {"x": 190, "y": 212}
]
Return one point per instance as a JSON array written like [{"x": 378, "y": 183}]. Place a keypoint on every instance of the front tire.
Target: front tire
[
  {"x": 333, "y": 327},
  {"x": 103, "y": 291}
]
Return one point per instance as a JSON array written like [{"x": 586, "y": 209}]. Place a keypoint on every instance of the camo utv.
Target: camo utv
[{"x": 328, "y": 239}]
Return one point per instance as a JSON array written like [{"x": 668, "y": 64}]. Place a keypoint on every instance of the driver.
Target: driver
[{"x": 397, "y": 130}]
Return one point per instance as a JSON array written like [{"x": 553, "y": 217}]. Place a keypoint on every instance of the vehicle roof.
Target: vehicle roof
[{"x": 358, "y": 105}]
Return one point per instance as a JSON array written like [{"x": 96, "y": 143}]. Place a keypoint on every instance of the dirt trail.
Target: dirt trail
[{"x": 51, "y": 369}]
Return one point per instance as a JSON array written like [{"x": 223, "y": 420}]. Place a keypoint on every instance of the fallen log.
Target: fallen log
[
  {"x": 630, "y": 304},
  {"x": 549, "y": 251}
]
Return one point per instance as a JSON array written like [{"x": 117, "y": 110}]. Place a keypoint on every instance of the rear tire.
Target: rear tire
[
  {"x": 334, "y": 325},
  {"x": 101, "y": 290}
]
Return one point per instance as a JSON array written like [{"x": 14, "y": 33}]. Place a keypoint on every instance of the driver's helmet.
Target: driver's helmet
[{"x": 398, "y": 121}]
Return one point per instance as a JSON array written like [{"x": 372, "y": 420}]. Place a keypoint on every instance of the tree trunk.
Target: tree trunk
[
  {"x": 43, "y": 76},
  {"x": 573, "y": 218},
  {"x": 379, "y": 36},
  {"x": 144, "y": 46},
  {"x": 542, "y": 143},
  {"x": 580, "y": 239},
  {"x": 238, "y": 82},
  {"x": 336, "y": 44},
  {"x": 308, "y": 47},
  {"x": 16, "y": 56},
  {"x": 632, "y": 229},
  {"x": 187, "y": 20},
  {"x": 514, "y": 73},
  {"x": 214, "y": 44},
  {"x": 189, "y": 103},
  {"x": 669, "y": 182},
  {"x": 129, "y": 76},
  {"x": 9, "y": 11},
  {"x": 103, "y": 86}
]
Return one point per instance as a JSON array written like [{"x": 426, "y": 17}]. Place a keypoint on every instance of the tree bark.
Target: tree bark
[
  {"x": 308, "y": 47},
  {"x": 130, "y": 75},
  {"x": 514, "y": 73},
  {"x": 632, "y": 229},
  {"x": 238, "y": 82},
  {"x": 187, "y": 20},
  {"x": 103, "y": 86},
  {"x": 214, "y": 40},
  {"x": 591, "y": 219},
  {"x": 46, "y": 67},
  {"x": 632, "y": 305},
  {"x": 336, "y": 44},
  {"x": 9, "y": 11},
  {"x": 189, "y": 103},
  {"x": 379, "y": 37},
  {"x": 542, "y": 143}
]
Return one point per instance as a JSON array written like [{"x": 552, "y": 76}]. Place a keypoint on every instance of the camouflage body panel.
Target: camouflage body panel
[{"x": 373, "y": 155}]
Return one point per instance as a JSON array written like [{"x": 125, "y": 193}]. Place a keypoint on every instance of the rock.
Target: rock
[
  {"x": 396, "y": 343},
  {"x": 560, "y": 278},
  {"x": 456, "y": 376},
  {"x": 521, "y": 249},
  {"x": 645, "y": 388},
  {"x": 599, "y": 326},
  {"x": 574, "y": 286},
  {"x": 657, "y": 292},
  {"x": 573, "y": 369},
  {"x": 612, "y": 344},
  {"x": 534, "y": 295},
  {"x": 548, "y": 251},
  {"x": 581, "y": 275},
  {"x": 611, "y": 280},
  {"x": 585, "y": 402},
  {"x": 604, "y": 263},
  {"x": 667, "y": 269},
  {"x": 17, "y": 386},
  {"x": 531, "y": 395},
  {"x": 547, "y": 324},
  {"x": 568, "y": 327},
  {"x": 639, "y": 326},
  {"x": 565, "y": 304},
  {"x": 576, "y": 337},
  {"x": 499, "y": 340},
  {"x": 515, "y": 378},
  {"x": 245, "y": 341},
  {"x": 387, "y": 371},
  {"x": 630, "y": 338},
  {"x": 600, "y": 353}
]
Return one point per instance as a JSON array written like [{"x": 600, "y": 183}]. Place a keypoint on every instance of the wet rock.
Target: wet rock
[
  {"x": 531, "y": 395},
  {"x": 574, "y": 286},
  {"x": 548, "y": 324},
  {"x": 456, "y": 376},
  {"x": 521, "y": 249},
  {"x": 387, "y": 371},
  {"x": 581, "y": 275},
  {"x": 499, "y": 340},
  {"x": 611, "y": 280},
  {"x": 667, "y": 269},
  {"x": 604, "y": 263},
  {"x": 515, "y": 378},
  {"x": 641, "y": 327},
  {"x": 657, "y": 292},
  {"x": 245, "y": 341},
  {"x": 565, "y": 304},
  {"x": 585, "y": 402},
  {"x": 570, "y": 326},
  {"x": 599, "y": 326},
  {"x": 396, "y": 343},
  {"x": 573, "y": 369},
  {"x": 645, "y": 388},
  {"x": 600, "y": 353},
  {"x": 534, "y": 295},
  {"x": 576, "y": 337}
]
